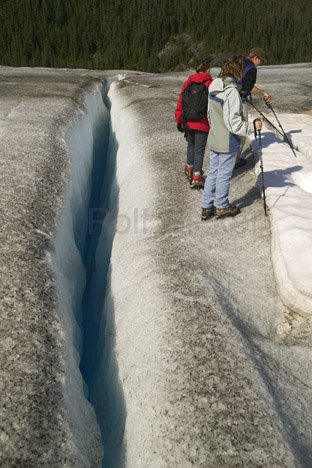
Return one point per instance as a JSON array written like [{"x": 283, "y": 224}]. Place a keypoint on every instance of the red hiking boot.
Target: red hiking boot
[
  {"x": 197, "y": 180},
  {"x": 188, "y": 171}
]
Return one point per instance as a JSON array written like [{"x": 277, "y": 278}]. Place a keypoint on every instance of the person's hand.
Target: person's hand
[
  {"x": 266, "y": 97},
  {"x": 180, "y": 128},
  {"x": 257, "y": 124}
]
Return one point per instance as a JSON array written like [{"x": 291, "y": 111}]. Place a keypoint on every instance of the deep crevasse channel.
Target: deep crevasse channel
[{"x": 83, "y": 245}]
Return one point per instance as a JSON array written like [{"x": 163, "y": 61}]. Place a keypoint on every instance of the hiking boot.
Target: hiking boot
[
  {"x": 207, "y": 213},
  {"x": 197, "y": 181},
  {"x": 240, "y": 163},
  {"x": 188, "y": 171},
  {"x": 228, "y": 211}
]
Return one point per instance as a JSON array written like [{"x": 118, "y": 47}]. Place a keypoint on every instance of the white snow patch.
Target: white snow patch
[{"x": 288, "y": 182}]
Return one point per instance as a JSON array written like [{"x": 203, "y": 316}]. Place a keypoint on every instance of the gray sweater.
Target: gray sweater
[{"x": 225, "y": 113}]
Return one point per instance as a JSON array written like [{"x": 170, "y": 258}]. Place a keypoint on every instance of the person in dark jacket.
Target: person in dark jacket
[
  {"x": 255, "y": 58},
  {"x": 196, "y": 131}
]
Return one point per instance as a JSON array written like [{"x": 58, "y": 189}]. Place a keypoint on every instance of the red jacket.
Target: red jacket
[{"x": 199, "y": 124}]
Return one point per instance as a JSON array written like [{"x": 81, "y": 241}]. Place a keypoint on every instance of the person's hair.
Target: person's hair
[
  {"x": 233, "y": 67},
  {"x": 258, "y": 52},
  {"x": 204, "y": 65}
]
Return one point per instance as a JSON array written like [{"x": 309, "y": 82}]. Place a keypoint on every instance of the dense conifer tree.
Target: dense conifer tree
[{"x": 151, "y": 35}]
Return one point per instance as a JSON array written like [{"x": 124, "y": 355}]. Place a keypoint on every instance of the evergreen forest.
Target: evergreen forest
[{"x": 150, "y": 35}]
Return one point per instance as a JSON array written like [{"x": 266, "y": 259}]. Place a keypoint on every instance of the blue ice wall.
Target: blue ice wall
[{"x": 82, "y": 258}]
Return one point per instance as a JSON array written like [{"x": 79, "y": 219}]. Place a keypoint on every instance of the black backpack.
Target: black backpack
[{"x": 195, "y": 101}]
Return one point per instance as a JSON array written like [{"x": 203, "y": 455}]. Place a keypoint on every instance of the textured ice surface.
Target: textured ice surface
[
  {"x": 199, "y": 363},
  {"x": 193, "y": 323},
  {"x": 68, "y": 265},
  {"x": 46, "y": 419}
]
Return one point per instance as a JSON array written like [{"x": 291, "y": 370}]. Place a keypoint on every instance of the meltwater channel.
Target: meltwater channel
[{"x": 82, "y": 256}]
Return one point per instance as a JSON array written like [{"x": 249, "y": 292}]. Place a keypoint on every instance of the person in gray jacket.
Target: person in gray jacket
[{"x": 227, "y": 126}]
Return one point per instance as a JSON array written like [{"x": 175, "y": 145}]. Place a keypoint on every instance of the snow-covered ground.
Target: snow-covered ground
[
  {"x": 288, "y": 186},
  {"x": 199, "y": 362}
]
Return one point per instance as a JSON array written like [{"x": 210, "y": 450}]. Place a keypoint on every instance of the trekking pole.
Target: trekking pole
[
  {"x": 280, "y": 125},
  {"x": 261, "y": 165},
  {"x": 265, "y": 118}
]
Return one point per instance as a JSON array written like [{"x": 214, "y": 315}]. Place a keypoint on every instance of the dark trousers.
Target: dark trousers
[{"x": 196, "y": 145}]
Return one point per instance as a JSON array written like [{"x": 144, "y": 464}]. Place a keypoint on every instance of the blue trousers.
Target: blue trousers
[{"x": 217, "y": 184}]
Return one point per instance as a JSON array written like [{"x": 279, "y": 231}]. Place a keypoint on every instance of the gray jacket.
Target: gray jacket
[{"x": 225, "y": 113}]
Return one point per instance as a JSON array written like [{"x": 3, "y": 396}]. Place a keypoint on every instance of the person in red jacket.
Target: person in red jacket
[{"x": 196, "y": 132}]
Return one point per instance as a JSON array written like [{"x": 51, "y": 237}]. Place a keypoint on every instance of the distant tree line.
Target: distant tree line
[{"x": 150, "y": 35}]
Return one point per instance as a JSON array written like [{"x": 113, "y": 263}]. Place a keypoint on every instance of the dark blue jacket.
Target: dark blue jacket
[{"x": 249, "y": 78}]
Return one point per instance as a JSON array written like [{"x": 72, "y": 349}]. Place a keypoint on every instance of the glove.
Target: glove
[{"x": 180, "y": 128}]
